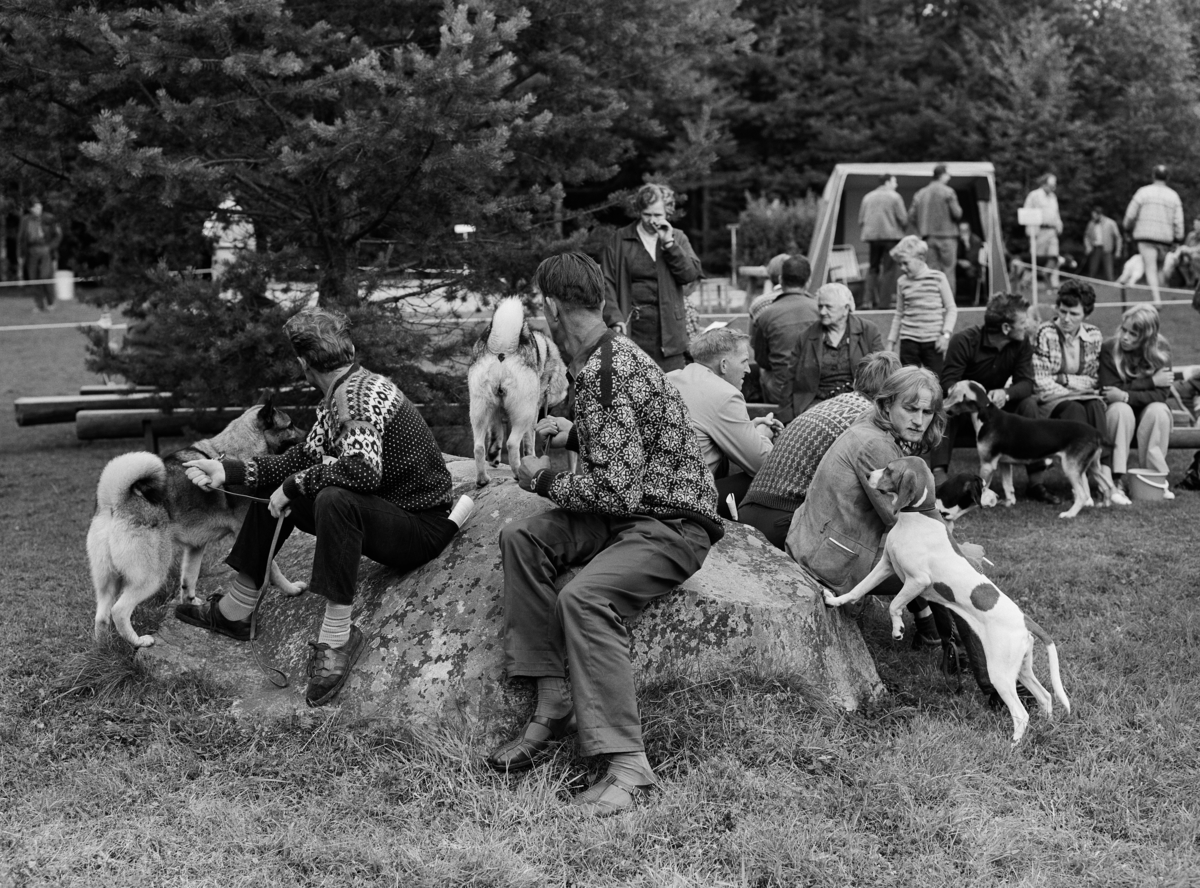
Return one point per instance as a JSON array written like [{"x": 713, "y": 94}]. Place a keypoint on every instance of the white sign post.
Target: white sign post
[{"x": 1031, "y": 218}]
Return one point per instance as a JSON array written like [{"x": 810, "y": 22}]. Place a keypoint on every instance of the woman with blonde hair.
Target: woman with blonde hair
[{"x": 1135, "y": 380}]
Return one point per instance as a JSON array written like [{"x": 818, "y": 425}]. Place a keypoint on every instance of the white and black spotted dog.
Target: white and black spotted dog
[{"x": 515, "y": 374}]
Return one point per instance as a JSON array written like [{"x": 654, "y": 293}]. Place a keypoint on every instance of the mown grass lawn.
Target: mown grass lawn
[{"x": 110, "y": 778}]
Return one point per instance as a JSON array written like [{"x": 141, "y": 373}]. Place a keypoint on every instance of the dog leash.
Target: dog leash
[{"x": 277, "y": 677}]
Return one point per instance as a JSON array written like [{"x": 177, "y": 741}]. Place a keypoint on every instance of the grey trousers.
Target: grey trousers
[{"x": 624, "y": 564}]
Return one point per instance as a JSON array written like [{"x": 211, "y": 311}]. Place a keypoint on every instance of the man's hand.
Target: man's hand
[
  {"x": 530, "y": 466},
  {"x": 207, "y": 474},
  {"x": 768, "y": 426},
  {"x": 278, "y": 506},
  {"x": 554, "y": 429},
  {"x": 999, "y": 397}
]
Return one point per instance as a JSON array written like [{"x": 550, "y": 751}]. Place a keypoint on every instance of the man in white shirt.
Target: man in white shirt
[
  {"x": 732, "y": 445},
  {"x": 1043, "y": 238}
]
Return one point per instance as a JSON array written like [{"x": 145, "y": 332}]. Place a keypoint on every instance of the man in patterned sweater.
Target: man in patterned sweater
[
  {"x": 636, "y": 521},
  {"x": 369, "y": 480},
  {"x": 782, "y": 482}
]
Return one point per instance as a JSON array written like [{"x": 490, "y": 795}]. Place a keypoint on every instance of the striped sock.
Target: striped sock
[
  {"x": 239, "y": 603},
  {"x": 335, "y": 631}
]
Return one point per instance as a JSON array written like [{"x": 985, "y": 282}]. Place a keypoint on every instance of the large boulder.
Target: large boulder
[{"x": 435, "y": 647}]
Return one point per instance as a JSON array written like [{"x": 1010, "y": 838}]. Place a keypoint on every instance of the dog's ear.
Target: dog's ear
[
  {"x": 266, "y": 416},
  {"x": 911, "y": 487}
]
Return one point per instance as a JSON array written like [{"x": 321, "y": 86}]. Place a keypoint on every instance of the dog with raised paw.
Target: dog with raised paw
[
  {"x": 146, "y": 508},
  {"x": 920, "y": 551},
  {"x": 1004, "y": 438},
  {"x": 516, "y": 373}
]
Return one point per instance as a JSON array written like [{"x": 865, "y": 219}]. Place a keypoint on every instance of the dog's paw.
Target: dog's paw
[
  {"x": 830, "y": 599},
  {"x": 482, "y": 481},
  {"x": 1070, "y": 513},
  {"x": 144, "y": 641},
  {"x": 293, "y": 590},
  {"x": 988, "y": 499}
]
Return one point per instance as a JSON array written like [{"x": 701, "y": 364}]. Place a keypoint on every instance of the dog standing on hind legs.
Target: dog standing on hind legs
[
  {"x": 920, "y": 550},
  {"x": 515, "y": 374},
  {"x": 146, "y": 507}
]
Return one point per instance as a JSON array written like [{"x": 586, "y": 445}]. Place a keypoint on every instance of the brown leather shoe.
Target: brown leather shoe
[
  {"x": 524, "y": 752},
  {"x": 608, "y": 796}
]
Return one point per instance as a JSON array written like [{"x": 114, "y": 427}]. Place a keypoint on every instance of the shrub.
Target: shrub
[{"x": 768, "y": 227}]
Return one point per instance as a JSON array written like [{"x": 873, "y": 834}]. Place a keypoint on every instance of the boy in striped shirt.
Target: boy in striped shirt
[{"x": 925, "y": 309}]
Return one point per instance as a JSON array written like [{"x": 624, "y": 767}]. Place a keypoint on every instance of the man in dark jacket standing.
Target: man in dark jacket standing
[
  {"x": 822, "y": 364},
  {"x": 648, "y": 268},
  {"x": 934, "y": 214},
  {"x": 38, "y": 238},
  {"x": 780, "y": 324},
  {"x": 882, "y": 220}
]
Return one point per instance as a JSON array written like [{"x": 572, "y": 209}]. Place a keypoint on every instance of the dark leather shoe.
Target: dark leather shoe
[
  {"x": 524, "y": 752},
  {"x": 330, "y": 667},
  {"x": 208, "y": 616},
  {"x": 1039, "y": 493}
]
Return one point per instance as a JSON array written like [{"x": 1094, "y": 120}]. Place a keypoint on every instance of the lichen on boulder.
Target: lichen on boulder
[{"x": 435, "y": 649}]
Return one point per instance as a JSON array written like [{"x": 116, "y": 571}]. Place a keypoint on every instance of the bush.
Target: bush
[
  {"x": 767, "y": 228},
  {"x": 183, "y": 338}
]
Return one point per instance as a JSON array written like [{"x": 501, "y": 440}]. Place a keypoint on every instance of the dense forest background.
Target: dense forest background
[{"x": 356, "y": 134}]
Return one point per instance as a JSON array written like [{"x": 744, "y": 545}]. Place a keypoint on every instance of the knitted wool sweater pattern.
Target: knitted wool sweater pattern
[
  {"x": 368, "y": 437},
  {"x": 638, "y": 453},
  {"x": 782, "y": 482}
]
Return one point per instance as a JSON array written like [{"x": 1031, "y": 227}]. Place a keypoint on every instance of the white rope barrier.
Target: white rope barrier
[{"x": 73, "y": 325}]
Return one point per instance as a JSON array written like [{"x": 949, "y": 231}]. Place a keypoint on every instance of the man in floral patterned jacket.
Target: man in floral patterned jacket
[{"x": 636, "y": 521}]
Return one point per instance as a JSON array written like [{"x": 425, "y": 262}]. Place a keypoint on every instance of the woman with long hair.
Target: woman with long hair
[{"x": 1135, "y": 380}]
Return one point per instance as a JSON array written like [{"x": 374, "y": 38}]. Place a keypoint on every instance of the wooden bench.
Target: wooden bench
[{"x": 50, "y": 409}]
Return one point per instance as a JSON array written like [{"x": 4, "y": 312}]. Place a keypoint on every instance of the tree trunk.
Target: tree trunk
[{"x": 337, "y": 284}]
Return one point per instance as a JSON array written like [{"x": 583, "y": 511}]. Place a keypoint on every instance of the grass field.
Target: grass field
[{"x": 109, "y": 778}]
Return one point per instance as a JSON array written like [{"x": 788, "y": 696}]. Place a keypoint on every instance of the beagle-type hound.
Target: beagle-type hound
[
  {"x": 920, "y": 550},
  {"x": 1004, "y": 438}
]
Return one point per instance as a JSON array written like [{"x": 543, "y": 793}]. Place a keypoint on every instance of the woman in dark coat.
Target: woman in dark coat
[{"x": 649, "y": 267}]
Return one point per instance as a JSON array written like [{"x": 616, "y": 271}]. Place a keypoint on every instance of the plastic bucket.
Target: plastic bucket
[
  {"x": 1146, "y": 485},
  {"x": 64, "y": 286}
]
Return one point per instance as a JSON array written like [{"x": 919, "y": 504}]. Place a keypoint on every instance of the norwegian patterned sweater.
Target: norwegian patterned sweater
[
  {"x": 369, "y": 438},
  {"x": 782, "y": 482},
  {"x": 638, "y": 453}
]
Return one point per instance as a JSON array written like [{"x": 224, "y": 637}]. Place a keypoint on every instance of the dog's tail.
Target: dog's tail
[
  {"x": 138, "y": 474},
  {"x": 1052, "y": 656},
  {"x": 507, "y": 323}
]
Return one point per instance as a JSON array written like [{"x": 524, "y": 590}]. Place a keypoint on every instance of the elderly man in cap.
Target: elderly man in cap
[{"x": 823, "y": 361}]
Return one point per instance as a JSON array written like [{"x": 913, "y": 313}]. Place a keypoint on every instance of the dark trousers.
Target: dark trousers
[
  {"x": 1099, "y": 264},
  {"x": 772, "y": 523},
  {"x": 882, "y": 274},
  {"x": 347, "y": 525},
  {"x": 624, "y": 564},
  {"x": 39, "y": 266},
  {"x": 921, "y": 354}
]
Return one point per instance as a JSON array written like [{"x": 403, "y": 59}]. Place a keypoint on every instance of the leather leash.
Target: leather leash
[{"x": 277, "y": 677}]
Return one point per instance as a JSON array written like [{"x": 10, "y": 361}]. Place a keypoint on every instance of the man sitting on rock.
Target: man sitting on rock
[
  {"x": 781, "y": 484},
  {"x": 636, "y": 522},
  {"x": 732, "y": 444},
  {"x": 369, "y": 480}
]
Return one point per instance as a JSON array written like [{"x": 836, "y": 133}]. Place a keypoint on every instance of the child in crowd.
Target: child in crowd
[{"x": 925, "y": 309}]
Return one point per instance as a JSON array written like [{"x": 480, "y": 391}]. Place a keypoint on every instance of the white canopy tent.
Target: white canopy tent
[{"x": 837, "y": 247}]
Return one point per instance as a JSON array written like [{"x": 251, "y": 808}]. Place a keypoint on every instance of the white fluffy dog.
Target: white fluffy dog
[{"x": 515, "y": 374}]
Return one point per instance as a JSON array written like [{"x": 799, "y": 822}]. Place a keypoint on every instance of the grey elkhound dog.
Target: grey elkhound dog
[{"x": 145, "y": 506}]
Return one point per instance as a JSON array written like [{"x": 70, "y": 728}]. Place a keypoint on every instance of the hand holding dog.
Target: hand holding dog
[
  {"x": 530, "y": 466},
  {"x": 554, "y": 429},
  {"x": 207, "y": 474}
]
